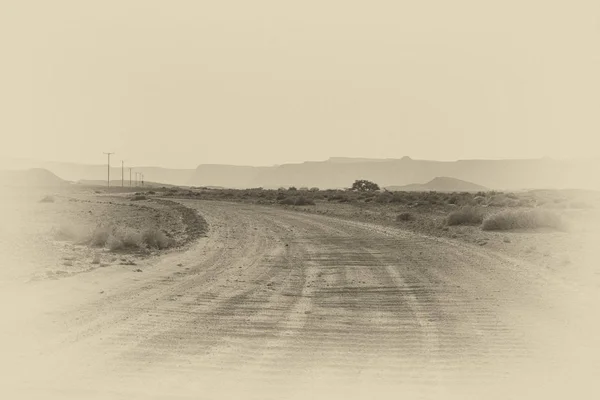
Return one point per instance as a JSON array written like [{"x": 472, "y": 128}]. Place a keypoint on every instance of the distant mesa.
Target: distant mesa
[
  {"x": 340, "y": 172},
  {"x": 440, "y": 184},
  {"x": 350, "y": 160},
  {"x": 35, "y": 177}
]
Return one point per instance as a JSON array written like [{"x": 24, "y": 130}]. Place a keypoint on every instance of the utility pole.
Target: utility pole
[
  {"x": 129, "y": 177},
  {"x": 108, "y": 169},
  {"x": 122, "y": 176},
  {"x": 142, "y": 180}
]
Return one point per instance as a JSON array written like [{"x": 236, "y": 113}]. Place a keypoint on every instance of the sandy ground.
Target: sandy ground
[
  {"x": 279, "y": 304},
  {"x": 31, "y": 248}
]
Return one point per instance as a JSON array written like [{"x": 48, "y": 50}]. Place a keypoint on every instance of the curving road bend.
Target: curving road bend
[{"x": 278, "y": 304}]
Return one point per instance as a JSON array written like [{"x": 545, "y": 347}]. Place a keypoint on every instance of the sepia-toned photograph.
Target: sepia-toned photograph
[{"x": 289, "y": 200}]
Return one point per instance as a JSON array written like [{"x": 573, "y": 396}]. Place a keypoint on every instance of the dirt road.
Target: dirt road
[{"x": 276, "y": 304}]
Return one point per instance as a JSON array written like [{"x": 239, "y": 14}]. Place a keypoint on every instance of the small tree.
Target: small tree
[{"x": 363, "y": 185}]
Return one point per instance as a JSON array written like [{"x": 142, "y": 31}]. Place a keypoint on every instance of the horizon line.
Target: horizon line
[{"x": 374, "y": 159}]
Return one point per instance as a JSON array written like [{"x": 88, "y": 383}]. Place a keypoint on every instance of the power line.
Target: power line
[{"x": 108, "y": 170}]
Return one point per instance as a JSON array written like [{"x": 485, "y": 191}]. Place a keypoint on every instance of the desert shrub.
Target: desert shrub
[
  {"x": 479, "y": 199},
  {"x": 452, "y": 200},
  {"x": 290, "y": 201},
  {"x": 405, "y": 216},
  {"x": 139, "y": 197},
  {"x": 131, "y": 239},
  {"x": 114, "y": 243},
  {"x": 339, "y": 197},
  {"x": 100, "y": 236},
  {"x": 314, "y": 189},
  {"x": 498, "y": 200},
  {"x": 421, "y": 203},
  {"x": 124, "y": 239},
  {"x": 292, "y": 188},
  {"x": 228, "y": 195},
  {"x": 432, "y": 196},
  {"x": 47, "y": 199},
  {"x": 116, "y": 239},
  {"x": 525, "y": 202},
  {"x": 303, "y": 201},
  {"x": 465, "y": 216},
  {"x": 522, "y": 219},
  {"x": 397, "y": 198},
  {"x": 156, "y": 239},
  {"x": 318, "y": 195},
  {"x": 383, "y": 198},
  {"x": 298, "y": 201}
]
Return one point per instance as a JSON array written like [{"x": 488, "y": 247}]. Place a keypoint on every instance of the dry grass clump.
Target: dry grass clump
[
  {"x": 116, "y": 238},
  {"x": 156, "y": 239},
  {"x": 405, "y": 216},
  {"x": 289, "y": 201},
  {"x": 99, "y": 236},
  {"x": 297, "y": 201},
  {"x": 139, "y": 197},
  {"x": 383, "y": 198},
  {"x": 522, "y": 219},
  {"x": 124, "y": 239},
  {"x": 467, "y": 215},
  {"x": 339, "y": 197},
  {"x": 304, "y": 201}
]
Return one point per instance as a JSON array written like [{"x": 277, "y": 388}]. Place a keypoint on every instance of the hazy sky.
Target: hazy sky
[{"x": 179, "y": 83}]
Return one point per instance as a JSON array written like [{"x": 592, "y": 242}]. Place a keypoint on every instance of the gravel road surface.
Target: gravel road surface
[{"x": 277, "y": 304}]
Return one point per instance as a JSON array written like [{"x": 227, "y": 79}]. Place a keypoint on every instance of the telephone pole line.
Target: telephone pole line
[{"x": 108, "y": 170}]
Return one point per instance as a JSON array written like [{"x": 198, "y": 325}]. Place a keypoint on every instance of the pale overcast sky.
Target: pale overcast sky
[{"x": 179, "y": 83}]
